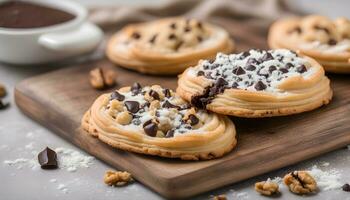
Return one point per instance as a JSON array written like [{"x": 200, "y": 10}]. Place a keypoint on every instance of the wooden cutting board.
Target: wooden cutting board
[{"x": 58, "y": 100}]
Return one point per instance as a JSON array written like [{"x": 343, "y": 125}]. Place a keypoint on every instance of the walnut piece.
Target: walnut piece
[
  {"x": 2, "y": 91},
  {"x": 267, "y": 188},
  {"x": 102, "y": 78},
  {"x": 220, "y": 197},
  {"x": 300, "y": 182},
  {"x": 117, "y": 178},
  {"x": 124, "y": 118}
]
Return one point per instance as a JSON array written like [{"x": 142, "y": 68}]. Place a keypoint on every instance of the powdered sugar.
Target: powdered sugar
[
  {"x": 326, "y": 180},
  {"x": 71, "y": 160}
]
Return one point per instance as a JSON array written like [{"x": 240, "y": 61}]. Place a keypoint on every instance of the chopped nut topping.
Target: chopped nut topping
[
  {"x": 220, "y": 197},
  {"x": 300, "y": 182},
  {"x": 102, "y": 78},
  {"x": 117, "y": 178},
  {"x": 2, "y": 91},
  {"x": 266, "y": 188},
  {"x": 124, "y": 118},
  {"x": 118, "y": 105}
]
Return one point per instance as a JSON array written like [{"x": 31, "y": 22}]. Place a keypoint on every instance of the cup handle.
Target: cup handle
[{"x": 81, "y": 40}]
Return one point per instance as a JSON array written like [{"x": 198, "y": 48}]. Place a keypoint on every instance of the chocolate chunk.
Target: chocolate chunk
[
  {"x": 332, "y": 42},
  {"x": 193, "y": 120},
  {"x": 221, "y": 82},
  {"x": 173, "y": 25},
  {"x": 244, "y": 55},
  {"x": 136, "y": 35},
  {"x": 47, "y": 159},
  {"x": 272, "y": 68},
  {"x": 187, "y": 29},
  {"x": 289, "y": 65},
  {"x": 172, "y": 36},
  {"x": 136, "y": 88},
  {"x": 200, "y": 73},
  {"x": 283, "y": 70},
  {"x": 154, "y": 94},
  {"x": 3, "y": 105},
  {"x": 167, "y": 93},
  {"x": 238, "y": 71},
  {"x": 267, "y": 56},
  {"x": 132, "y": 106},
  {"x": 151, "y": 129},
  {"x": 167, "y": 104},
  {"x": 234, "y": 85},
  {"x": 153, "y": 38},
  {"x": 170, "y": 133},
  {"x": 146, "y": 123},
  {"x": 346, "y": 187},
  {"x": 250, "y": 67},
  {"x": 260, "y": 86},
  {"x": 116, "y": 95},
  {"x": 301, "y": 69}
]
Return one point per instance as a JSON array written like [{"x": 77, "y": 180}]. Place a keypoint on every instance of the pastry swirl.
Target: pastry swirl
[
  {"x": 167, "y": 46},
  {"x": 327, "y": 41},
  {"x": 256, "y": 83},
  {"x": 155, "y": 121}
]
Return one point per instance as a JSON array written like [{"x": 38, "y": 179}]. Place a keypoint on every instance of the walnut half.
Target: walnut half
[
  {"x": 117, "y": 178},
  {"x": 300, "y": 182},
  {"x": 267, "y": 188},
  {"x": 102, "y": 78}
]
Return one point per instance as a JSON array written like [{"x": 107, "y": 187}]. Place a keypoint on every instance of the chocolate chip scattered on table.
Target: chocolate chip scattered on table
[{"x": 48, "y": 159}]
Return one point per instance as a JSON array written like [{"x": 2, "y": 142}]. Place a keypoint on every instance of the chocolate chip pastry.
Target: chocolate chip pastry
[
  {"x": 167, "y": 46},
  {"x": 327, "y": 41},
  {"x": 155, "y": 121},
  {"x": 256, "y": 83}
]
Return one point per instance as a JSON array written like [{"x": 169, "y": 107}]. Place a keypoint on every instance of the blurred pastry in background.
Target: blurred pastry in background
[
  {"x": 325, "y": 40},
  {"x": 167, "y": 46}
]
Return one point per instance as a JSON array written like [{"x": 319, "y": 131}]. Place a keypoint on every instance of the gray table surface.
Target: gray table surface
[{"x": 87, "y": 183}]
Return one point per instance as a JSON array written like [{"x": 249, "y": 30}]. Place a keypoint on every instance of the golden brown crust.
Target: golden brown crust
[
  {"x": 314, "y": 42},
  {"x": 160, "y": 57}
]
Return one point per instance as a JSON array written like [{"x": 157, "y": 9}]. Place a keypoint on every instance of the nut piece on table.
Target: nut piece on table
[
  {"x": 300, "y": 182},
  {"x": 2, "y": 90},
  {"x": 117, "y": 178},
  {"x": 102, "y": 78},
  {"x": 267, "y": 188},
  {"x": 220, "y": 197}
]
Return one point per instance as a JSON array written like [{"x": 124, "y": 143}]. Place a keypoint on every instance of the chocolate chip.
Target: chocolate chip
[
  {"x": 289, "y": 65},
  {"x": 238, "y": 71},
  {"x": 153, "y": 38},
  {"x": 116, "y": 95},
  {"x": 267, "y": 56},
  {"x": 132, "y": 106},
  {"x": 234, "y": 85},
  {"x": 167, "y": 93},
  {"x": 154, "y": 94},
  {"x": 193, "y": 120},
  {"x": 200, "y": 73},
  {"x": 3, "y": 105},
  {"x": 170, "y": 133},
  {"x": 172, "y": 36},
  {"x": 151, "y": 129},
  {"x": 260, "y": 86},
  {"x": 136, "y": 88},
  {"x": 173, "y": 25},
  {"x": 47, "y": 159},
  {"x": 136, "y": 122},
  {"x": 266, "y": 75},
  {"x": 283, "y": 70},
  {"x": 252, "y": 61},
  {"x": 250, "y": 67},
  {"x": 167, "y": 104},
  {"x": 301, "y": 69},
  {"x": 221, "y": 82},
  {"x": 346, "y": 187},
  {"x": 187, "y": 29},
  {"x": 146, "y": 123},
  {"x": 272, "y": 68},
  {"x": 136, "y": 35},
  {"x": 208, "y": 75},
  {"x": 244, "y": 55},
  {"x": 332, "y": 42}
]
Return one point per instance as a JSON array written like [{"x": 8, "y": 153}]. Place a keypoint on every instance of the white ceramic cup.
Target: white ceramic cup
[{"x": 51, "y": 43}]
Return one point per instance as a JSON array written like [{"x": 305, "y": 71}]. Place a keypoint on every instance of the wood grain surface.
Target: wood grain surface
[{"x": 58, "y": 100}]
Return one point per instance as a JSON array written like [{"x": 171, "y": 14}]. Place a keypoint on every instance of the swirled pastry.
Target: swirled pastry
[
  {"x": 327, "y": 41},
  {"x": 155, "y": 121},
  {"x": 167, "y": 46},
  {"x": 256, "y": 83}
]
